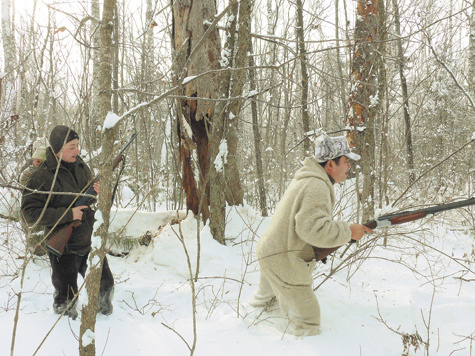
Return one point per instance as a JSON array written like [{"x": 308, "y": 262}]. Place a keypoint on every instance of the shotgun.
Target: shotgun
[
  {"x": 58, "y": 241},
  {"x": 396, "y": 219}
]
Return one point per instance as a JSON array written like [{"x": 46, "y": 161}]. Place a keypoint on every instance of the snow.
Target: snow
[
  {"x": 187, "y": 127},
  {"x": 111, "y": 120},
  {"x": 230, "y": 20},
  {"x": 473, "y": 136},
  {"x": 88, "y": 337},
  {"x": 221, "y": 157},
  {"x": 374, "y": 100},
  {"x": 411, "y": 282},
  {"x": 188, "y": 79}
]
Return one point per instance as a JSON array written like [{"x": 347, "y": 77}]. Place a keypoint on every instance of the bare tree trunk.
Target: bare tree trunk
[
  {"x": 7, "y": 83},
  {"x": 304, "y": 74},
  {"x": 115, "y": 62},
  {"x": 471, "y": 53},
  {"x": 257, "y": 137},
  {"x": 94, "y": 120},
  {"x": 405, "y": 96},
  {"x": 87, "y": 345},
  {"x": 51, "y": 99},
  {"x": 338, "y": 62},
  {"x": 193, "y": 57},
  {"x": 383, "y": 117},
  {"x": 234, "y": 191},
  {"x": 36, "y": 123},
  {"x": 363, "y": 99},
  {"x": 218, "y": 143}
]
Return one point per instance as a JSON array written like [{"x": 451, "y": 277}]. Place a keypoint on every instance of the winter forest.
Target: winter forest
[{"x": 227, "y": 98}]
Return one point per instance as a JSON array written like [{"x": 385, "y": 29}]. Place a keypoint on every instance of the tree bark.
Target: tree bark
[
  {"x": 217, "y": 142},
  {"x": 363, "y": 99},
  {"x": 304, "y": 73},
  {"x": 338, "y": 61},
  {"x": 7, "y": 83},
  {"x": 94, "y": 119},
  {"x": 195, "y": 116},
  {"x": 471, "y": 53},
  {"x": 257, "y": 137},
  {"x": 234, "y": 191},
  {"x": 405, "y": 96},
  {"x": 96, "y": 258}
]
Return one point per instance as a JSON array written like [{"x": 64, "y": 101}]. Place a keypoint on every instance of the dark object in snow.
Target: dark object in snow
[{"x": 146, "y": 239}]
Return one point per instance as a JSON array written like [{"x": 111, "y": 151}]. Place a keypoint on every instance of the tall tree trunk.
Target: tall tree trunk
[
  {"x": 338, "y": 62},
  {"x": 192, "y": 58},
  {"x": 471, "y": 83},
  {"x": 96, "y": 258},
  {"x": 217, "y": 144},
  {"x": 304, "y": 73},
  {"x": 115, "y": 62},
  {"x": 234, "y": 191},
  {"x": 7, "y": 83},
  {"x": 405, "y": 96},
  {"x": 471, "y": 53},
  {"x": 94, "y": 119},
  {"x": 36, "y": 123},
  {"x": 383, "y": 115},
  {"x": 363, "y": 99},
  {"x": 257, "y": 136}
]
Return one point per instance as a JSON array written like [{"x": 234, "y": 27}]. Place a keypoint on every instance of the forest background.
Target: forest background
[{"x": 227, "y": 97}]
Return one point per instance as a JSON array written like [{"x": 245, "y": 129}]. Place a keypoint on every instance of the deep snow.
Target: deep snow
[{"x": 153, "y": 300}]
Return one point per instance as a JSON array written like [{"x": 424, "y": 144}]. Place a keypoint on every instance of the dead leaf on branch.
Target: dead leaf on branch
[{"x": 61, "y": 29}]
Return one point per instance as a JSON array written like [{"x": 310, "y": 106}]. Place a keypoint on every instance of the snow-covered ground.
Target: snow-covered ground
[{"x": 404, "y": 288}]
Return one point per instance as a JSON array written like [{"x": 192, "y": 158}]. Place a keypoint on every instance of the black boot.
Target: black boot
[
  {"x": 70, "y": 311},
  {"x": 105, "y": 302}
]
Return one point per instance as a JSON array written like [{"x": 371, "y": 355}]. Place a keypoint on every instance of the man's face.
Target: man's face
[
  {"x": 339, "y": 172},
  {"x": 36, "y": 162},
  {"x": 69, "y": 151}
]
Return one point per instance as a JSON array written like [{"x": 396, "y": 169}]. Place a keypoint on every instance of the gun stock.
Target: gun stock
[{"x": 57, "y": 243}]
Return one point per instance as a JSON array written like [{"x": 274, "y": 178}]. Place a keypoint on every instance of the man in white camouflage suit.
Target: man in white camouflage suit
[{"x": 302, "y": 219}]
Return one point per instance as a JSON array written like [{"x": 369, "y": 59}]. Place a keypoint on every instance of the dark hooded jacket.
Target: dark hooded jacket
[{"x": 72, "y": 179}]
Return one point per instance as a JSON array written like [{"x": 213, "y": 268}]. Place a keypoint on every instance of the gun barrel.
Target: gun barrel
[
  {"x": 432, "y": 209},
  {"x": 82, "y": 200}
]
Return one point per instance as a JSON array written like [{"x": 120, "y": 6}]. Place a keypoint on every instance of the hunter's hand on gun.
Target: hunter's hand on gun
[
  {"x": 78, "y": 211},
  {"x": 358, "y": 231},
  {"x": 97, "y": 187}
]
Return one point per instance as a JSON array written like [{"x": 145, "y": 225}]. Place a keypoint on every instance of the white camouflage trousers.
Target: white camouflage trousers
[{"x": 298, "y": 302}]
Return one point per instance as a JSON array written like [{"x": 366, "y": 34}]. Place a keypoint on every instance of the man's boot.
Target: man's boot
[
  {"x": 105, "y": 302},
  {"x": 70, "y": 311}
]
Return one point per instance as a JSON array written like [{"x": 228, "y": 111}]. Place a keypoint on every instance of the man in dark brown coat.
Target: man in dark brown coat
[{"x": 54, "y": 210}]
